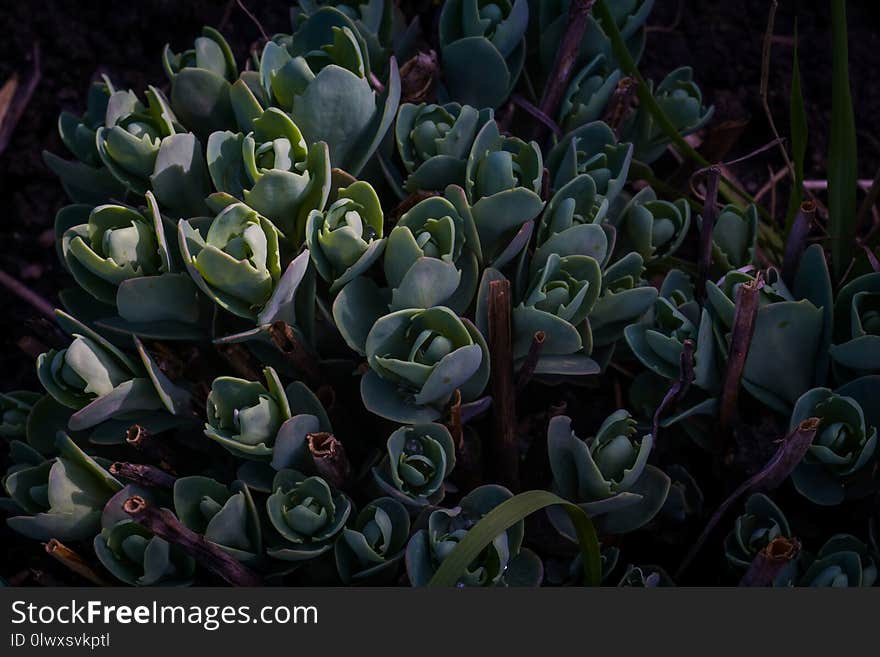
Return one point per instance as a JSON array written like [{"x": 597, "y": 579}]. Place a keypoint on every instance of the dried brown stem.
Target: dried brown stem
[
  {"x": 710, "y": 214},
  {"x": 621, "y": 102},
  {"x": 74, "y": 562},
  {"x": 165, "y": 525},
  {"x": 770, "y": 561},
  {"x": 679, "y": 388},
  {"x": 144, "y": 475},
  {"x": 566, "y": 58},
  {"x": 240, "y": 360},
  {"x": 300, "y": 357},
  {"x": 740, "y": 340},
  {"x": 797, "y": 240},
  {"x": 527, "y": 369},
  {"x": 24, "y": 293},
  {"x": 329, "y": 457},
  {"x": 505, "y": 450},
  {"x": 14, "y": 98},
  {"x": 151, "y": 446},
  {"x": 791, "y": 451}
]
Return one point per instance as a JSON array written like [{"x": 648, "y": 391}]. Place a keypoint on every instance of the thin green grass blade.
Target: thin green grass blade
[
  {"x": 842, "y": 154},
  {"x": 798, "y": 119},
  {"x": 507, "y": 514}
]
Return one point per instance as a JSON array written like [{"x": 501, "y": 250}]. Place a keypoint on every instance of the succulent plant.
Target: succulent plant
[
  {"x": 373, "y": 547},
  {"x": 503, "y": 184},
  {"x": 433, "y": 254},
  {"x": 268, "y": 166},
  {"x": 497, "y": 565},
  {"x": 753, "y": 530},
  {"x": 645, "y": 577},
  {"x": 434, "y": 142},
  {"x": 235, "y": 259},
  {"x": 843, "y": 561},
  {"x": 15, "y": 406},
  {"x": 651, "y": 227},
  {"x": 594, "y": 149},
  {"x": 307, "y": 514},
  {"x": 346, "y": 239},
  {"x": 321, "y": 77},
  {"x": 734, "y": 238},
  {"x": 842, "y": 451},
  {"x": 418, "y": 459},
  {"x": 245, "y": 416},
  {"x": 417, "y": 359},
  {"x": 588, "y": 94},
  {"x": 102, "y": 383},
  {"x": 225, "y": 515},
  {"x": 857, "y": 327},
  {"x": 121, "y": 256},
  {"x": 483, "y": 48},
  {"x": 609, "y": 477},
  {"x": 681, "y": 101},
  {"x": 145, "y": 148},
  {"x": 133, "y": 554},
  {"x": 60, "y": 498},
  {"x": 201, "y": 78}
]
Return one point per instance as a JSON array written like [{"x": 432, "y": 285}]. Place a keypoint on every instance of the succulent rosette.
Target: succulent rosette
[
  {"x": 734, "y": 238},
  {"x": 503, "y": 184},
  {"x": 588, "y": 93},
  {"x": 788, "y": 354},
  {"x": 681, "y": 101},
  {"x": 268, "y": 165},
  {"x": 608, "y": 477},
  {"x": 15, "y": 406},
  {"x": 132, "y": 553},
  {"x": 321, "y": 77},
  {"x": 372, "y": 547},
  {"x": 236, "y": 261},
  {"x": 145, "y": 148},
  {"x": 761, "y": 523},
  {"x": 245, "y": 416},
  {"x": 378, "y": 22},
  {"x": 418, "y": 460},
  {"x": 307, "y": 514},
  {"x": 346, "y": 239},
  {"x": 434, "y": 142},
  {"x": 433, "y": 254},
  {"x": 843, "y": 561},
  {"x": 85, "y": 179},
  {"x": 857, "y": 327},
  {"x": 200, "y": 82},
  {"x": 225, "y": 515},
  {"x": 842, "y": 453},
  {"x": 592, "y": 149},
  {"x": 503, "y": 563},
  {"x": 625, "y": 298},
  {"x": 60, "y": 498},
  {"x": 107, "y": 386},
  {"x": 658, "y": 342},
  {"x": 651, "y": 227},
  {"x": 482, "y": 46},
  {"x": 121, "y": 257},
  {"x": 418, "y": 359},
  {"x": 574, "y": 205}
]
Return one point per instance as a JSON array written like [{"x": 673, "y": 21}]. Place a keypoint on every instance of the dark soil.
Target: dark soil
[{"x": 720, "y": 39}]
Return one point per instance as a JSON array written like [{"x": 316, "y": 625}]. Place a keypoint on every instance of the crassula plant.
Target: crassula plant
[{"x": 343, "y": 308}]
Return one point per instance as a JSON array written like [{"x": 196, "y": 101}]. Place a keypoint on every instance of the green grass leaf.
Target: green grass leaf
[
  {"x": 507, "y": 514},
  {"x": 798, "y": 119},
  {"x": 842, "y": 155}
]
